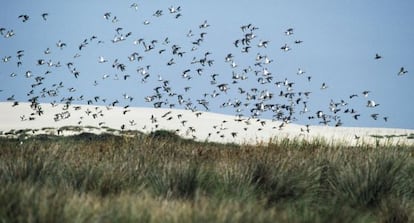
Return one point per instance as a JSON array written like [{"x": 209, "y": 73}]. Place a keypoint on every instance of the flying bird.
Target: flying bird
[
  {"x": 285, "y": 48},
  {"x": 45, "y": 15},
  {"x": 289, "y": 32},
  {"x": 24, "y": 17},
  {"x": 300, "y": 71},
  {"x": 173, "y": 9},
  {"x": 223, "y": 87},
  {"x": 204, "y": 25},
  {"x": 402, "y": 71},
  {"x": 101, "y": 59},
  {"x": 60, "y": 44},
  {"x": 371, "y": 104},
  {"x": 107, "y": 15},
  {"x": 134, "y": 6}
]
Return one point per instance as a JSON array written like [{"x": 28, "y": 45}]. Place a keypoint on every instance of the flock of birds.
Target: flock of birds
[{"x": 260, "y": 91}]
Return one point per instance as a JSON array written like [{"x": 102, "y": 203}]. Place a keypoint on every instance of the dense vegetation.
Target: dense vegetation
[{"x": 162, "y": 178}]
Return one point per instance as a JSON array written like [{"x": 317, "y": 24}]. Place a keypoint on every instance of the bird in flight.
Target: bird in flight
[
  {"x": 223, "y": 87},
  {"x": 24, "y": 17},
  {"x": 402, "y": 71},
  {"x": 60, "y": 44},
  {"x": 107, "y": 15},
  {"x": 204, "y": 25},
  {"x": 101, "y": 59},
  {"x": 134, "y": 6},
  {"x": 372, "y": 104},
  {"x": 285, "y": 48},
  {"x": 289, "y": 32},
  {"x": 45, "y": 15}
]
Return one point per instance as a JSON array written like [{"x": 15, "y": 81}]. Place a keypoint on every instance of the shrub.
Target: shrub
[{"x": 164, "y": 135}]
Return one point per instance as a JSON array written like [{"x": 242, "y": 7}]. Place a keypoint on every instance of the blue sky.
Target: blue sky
[{"x": 340, "y": 41}]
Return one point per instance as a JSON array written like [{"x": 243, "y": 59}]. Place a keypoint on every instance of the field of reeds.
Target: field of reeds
[{"x": 162, "y": 178}]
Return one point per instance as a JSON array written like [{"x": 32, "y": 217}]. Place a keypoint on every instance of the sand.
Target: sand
[{"x": 199, "y": 125}]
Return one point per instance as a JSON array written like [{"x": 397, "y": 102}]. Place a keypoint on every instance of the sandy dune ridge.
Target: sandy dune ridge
[{"x": 199, "y": 125}]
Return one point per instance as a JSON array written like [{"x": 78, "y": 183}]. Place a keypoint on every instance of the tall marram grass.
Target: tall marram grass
[{"x": 162, "y": 178}]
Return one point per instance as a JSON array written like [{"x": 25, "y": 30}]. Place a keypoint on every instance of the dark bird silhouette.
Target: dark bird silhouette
[
  {"x": 289, "y": 32},
  {"x": 402, "y": 71},
  {"x": 24, "y": 17},
  {"x": 45, "y": 15}
]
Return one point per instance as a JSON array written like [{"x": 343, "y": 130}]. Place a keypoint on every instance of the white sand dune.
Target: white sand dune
[{"x": 202, "y": 126}]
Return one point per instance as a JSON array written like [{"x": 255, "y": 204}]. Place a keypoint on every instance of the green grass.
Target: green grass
[{"x": 161, "y": 177}]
